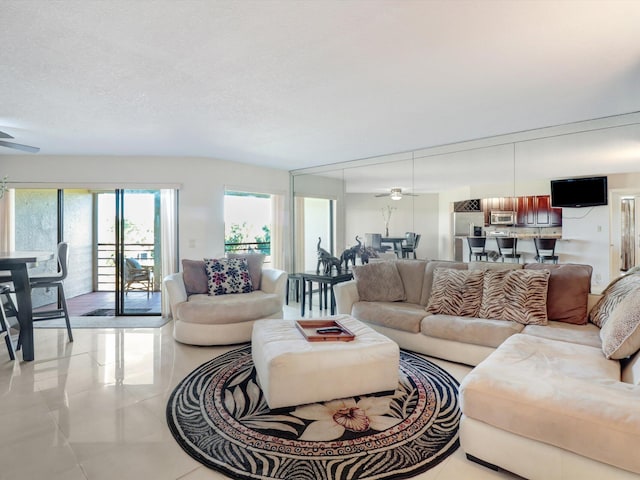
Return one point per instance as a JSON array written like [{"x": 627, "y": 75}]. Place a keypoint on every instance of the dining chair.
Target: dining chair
[
  {"x": 55, "y": 281},
  {"x": 410, "y": 245},
  {"x": 545, "y": 249},
  {"x": 7, "y": 310},
  {"x": 508, "y": 248},
  {"x": 374, "y": 240},
  {"x": 477, "y": 248}
]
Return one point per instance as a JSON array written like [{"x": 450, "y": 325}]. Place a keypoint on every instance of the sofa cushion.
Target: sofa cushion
[
  {"x": 228, "y": 275},
  {"x": 221, "y": 309},
  {"x": 615, "y": 292},
  {"x": 255, "y": 262},
  {"x": 456, "y": 292},
  {"x": 427, "y": 284},
  {"x": 621, "y": 333},
  {"x": 569, "y": 287},
  {"x": 476, "y": 331},
  {"x": 559, "y": 393},
  {"x": 516, "y": 295},
  {"x": 631, "y": 369},
  {"x": 396, "y": 315},
  {"x": 412, "y": 275},
  {"x": 587, "y": 334},
  {"x": 379, "y": 282},
  {"x": 195, "y": 277}
]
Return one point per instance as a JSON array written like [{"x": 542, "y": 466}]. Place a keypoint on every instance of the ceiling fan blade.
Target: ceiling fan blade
[
  {"x": 5, "y": 135},
  {"x": 18, "y": 146},
  {"x": 381, "y": 195}
]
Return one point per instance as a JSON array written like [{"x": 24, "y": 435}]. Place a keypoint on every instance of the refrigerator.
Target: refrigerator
[{"x": 463, "y": 226}]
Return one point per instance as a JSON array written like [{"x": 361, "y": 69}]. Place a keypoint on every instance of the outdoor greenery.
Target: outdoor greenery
[{"x": 239, "y": 240}]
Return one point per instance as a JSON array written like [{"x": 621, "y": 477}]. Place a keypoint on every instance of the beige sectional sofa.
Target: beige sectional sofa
[
  {"x": 543, "y": 400},
  {"x": 203, "y": 319}
]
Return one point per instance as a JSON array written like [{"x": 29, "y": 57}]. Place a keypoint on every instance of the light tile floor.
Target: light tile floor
[{"x": 95, "y": 409}]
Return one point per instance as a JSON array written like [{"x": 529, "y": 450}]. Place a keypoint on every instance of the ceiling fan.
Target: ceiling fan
[
  {"x": 396, "y": 194},
  {"x": 17, "y": 146}
]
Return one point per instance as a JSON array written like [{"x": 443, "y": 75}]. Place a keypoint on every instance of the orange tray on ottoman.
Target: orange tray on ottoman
[{"x": 309, "y": 329}]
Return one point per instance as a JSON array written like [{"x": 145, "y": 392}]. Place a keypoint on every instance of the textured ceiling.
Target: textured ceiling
[{"x": 293, "y": 84}]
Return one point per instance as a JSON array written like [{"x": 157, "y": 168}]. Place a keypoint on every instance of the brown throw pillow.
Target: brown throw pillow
[
  {"x": 568, "y": 295},
  {"x": 254, "y": 262},
  {"x": 195, "y": 277},
  {"x": 379, "y": 282},
  {"x": 620, "y": 334},
  {"x": 525, "y": 294},
  {"x": 456, "y": 292},
  {"x": 615, "y": 292}
]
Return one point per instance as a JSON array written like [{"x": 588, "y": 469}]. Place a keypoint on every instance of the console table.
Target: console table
[
  {"x": 17, "y": 263},
  {"x": 326, "y": 283}
]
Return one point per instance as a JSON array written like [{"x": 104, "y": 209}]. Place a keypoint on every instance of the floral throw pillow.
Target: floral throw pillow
[{"x": 228, "y": 275}]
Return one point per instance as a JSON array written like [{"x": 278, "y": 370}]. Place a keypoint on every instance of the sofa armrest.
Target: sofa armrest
[
  {"x": 346, "y": 294},
  {"x": 174, "y": 285},
  {"x": 274, "y": 281}
]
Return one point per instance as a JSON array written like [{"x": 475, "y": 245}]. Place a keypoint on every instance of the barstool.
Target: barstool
[
  {"x": 510, "y": 247},
  {"x": 476, "y": 247},
  {"x": 545, "y": 249}
]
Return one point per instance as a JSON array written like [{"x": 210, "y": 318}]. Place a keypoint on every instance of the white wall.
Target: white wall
[{"x": 201, "y": 182}]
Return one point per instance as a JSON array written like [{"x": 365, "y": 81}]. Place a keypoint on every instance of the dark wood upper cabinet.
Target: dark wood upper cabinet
[
  {"x": 531, "y": 211},
  {"x": 536, "y": 211}
]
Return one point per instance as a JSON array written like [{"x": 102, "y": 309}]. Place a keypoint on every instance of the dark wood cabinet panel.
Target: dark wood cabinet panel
[{"x": 536, "y": 211}]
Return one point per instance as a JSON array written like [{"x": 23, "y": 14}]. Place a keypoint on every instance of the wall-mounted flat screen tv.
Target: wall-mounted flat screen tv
[{"x": 579, "y": 192}]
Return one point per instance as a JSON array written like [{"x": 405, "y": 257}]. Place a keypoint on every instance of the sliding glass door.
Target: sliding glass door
[{"x": 114, "y": 237}]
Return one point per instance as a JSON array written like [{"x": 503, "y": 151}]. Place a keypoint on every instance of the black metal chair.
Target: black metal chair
[
  {"x": 508, "y": 248},
  {"x": 545, "y": 250},
  {"x": 410, "y": 245},
  {"x": 477, "y": 248}
]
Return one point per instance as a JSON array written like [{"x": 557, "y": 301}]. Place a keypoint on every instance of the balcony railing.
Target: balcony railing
[
  {"x": 143, "y": 252},
  {"x": 250, "y": 247}
]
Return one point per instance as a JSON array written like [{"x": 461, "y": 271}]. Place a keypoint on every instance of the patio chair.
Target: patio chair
[{"x": 137, "y": 277}]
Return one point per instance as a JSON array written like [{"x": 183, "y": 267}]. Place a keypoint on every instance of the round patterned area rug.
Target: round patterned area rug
[{"x": 219, "y": 416}]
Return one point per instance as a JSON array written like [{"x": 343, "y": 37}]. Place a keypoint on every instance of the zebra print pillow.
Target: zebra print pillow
[
  {"x": 615, "y": 292},
  {"x": 517, "y": 295},
  {"x": 456, "y": 292},
  {"x": 525, "y": 294},
  {"x": 493, "y": 298},
  {"x": 621, "y": 332}
]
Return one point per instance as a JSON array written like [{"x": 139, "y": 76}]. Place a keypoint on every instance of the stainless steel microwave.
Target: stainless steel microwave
[{"x": 503, "y": 218}]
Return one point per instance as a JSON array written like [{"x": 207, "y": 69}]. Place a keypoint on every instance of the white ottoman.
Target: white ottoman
[{"x": 293, "y": 371}]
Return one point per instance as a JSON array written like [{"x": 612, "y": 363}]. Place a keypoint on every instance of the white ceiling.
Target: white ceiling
[{"x": 293, "y": 84}]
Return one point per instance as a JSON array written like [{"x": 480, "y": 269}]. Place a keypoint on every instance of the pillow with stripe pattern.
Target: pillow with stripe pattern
[
  {"x": 516, "y": 295},
  {"x": 456, "y": 292},
  {"x": 613, "y": 295},
  {"x": 525, "y": 293},
  {"x": 493, "y": 298},
  {"x": 620, "y": 334}
]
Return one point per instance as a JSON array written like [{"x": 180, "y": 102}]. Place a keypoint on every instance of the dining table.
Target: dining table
[
  {"x": 17, "y": 263},
  {"x": 396, "y": 242}
]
